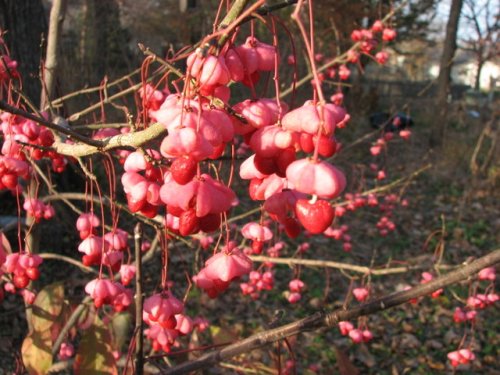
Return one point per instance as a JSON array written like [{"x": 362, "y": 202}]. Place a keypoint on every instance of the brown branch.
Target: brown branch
[
  {"x": 59, "y": 101},
  {"x": 329, "y": 320},
  {"x": 343, "y": 266},
  {"x": 139, "y": 357},
  {"x": 130, "y": 140},
  {"x": 69, "y": 260},
  {"x": 108, "y": 100}
]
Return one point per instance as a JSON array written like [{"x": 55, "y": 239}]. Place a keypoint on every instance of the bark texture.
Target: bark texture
[{"x": 445, "y": 65}]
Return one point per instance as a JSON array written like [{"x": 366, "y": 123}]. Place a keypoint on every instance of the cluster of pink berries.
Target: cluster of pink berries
[
  {"x": 108, "y": 249},
  {"x": 10, "y": 71},
  {"x": 296, "y": 286},
  {"x": 283, "y": 182},
  {"x": 340, "y": 233},
  {"x": 8, "y": 67},
  {"x": 221, "y": 269},
  {"x": 361, "y": 294},
  {"x": 141, "y": 182},
  {"x": 24, "y": 137},
  {"x": 257, "y": 282},
  {"x": 357, "y": 335},
  {"x": 38, "y": 210},
  {"x": 258, "y": 234},
  {"x": 476, "y": 302},
  {"x": 23, "y": 266},
  {"x": 382, "y": 142},
  {"x": 461, "y": 357},
  {"x": 107, "y": 292},
  {"x": 163, "y": 314}
]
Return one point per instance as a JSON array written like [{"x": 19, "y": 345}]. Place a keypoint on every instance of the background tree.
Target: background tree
[
  {"x": 445, "y": 65},
  {"x": 26, "y": 25},
  {"x": 483, "y": 18}
]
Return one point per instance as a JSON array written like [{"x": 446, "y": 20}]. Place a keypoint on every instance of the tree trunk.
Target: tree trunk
[
  {"x": 26, "y": 26},
  {"x": 446, "y": 63},
  {"x": 103, "y": 41},
  {"x": 479, "y": 68}
]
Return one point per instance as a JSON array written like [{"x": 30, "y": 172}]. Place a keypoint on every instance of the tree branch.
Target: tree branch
[
  {"x": 329, "y": 320},
  {"x": 139, "y": 357},
  {"x": 342, "y": 266},
  {"x": 131, "y": 140}
]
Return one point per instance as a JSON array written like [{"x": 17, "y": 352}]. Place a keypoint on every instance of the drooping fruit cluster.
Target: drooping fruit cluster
[
  {"x": 107, "y": 292},
  {"x": 221, "y": 269},
  {"x": 357, "y": 335},
  {"x": 162, "y": 313},
  {"x": 22, "y": 266}
]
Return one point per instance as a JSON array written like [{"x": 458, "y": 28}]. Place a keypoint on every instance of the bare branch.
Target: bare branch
[
  {"x": 139, "y": 357},
  {"x": 130, "y": 140},
  {"x": 342, "y": 266}
]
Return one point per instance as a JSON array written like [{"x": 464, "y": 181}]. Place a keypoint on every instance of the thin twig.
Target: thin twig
[
  {"x": 69, "y": 260},
  {"x": 145, "y": 50},
  {"x": 62, "y": 99},
  {"x": 343, "y": 266},
  {"x": 69, "y": 324},
  {"x": 139, "y": 357}
]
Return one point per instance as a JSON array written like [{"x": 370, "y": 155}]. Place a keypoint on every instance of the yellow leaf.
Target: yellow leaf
[
  {"x": 47, "y": 306},
  {"x": 36, "y": 352}
]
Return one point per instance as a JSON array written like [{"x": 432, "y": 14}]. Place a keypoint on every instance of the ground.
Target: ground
[{"x": 446, "y": 206}]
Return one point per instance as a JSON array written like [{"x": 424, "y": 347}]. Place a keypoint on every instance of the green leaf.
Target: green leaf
[
  {"x": 120, "y": 325},
  {"x": 47, "y": 306},
  {"x": 94, "y": 355},
  {"x": 36, "y": 352}
]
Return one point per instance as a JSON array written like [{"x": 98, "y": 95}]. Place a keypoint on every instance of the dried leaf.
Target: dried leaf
[
  {"x": 345, "y": 365},
  {"x": 4, "y": 243},
  {"x": 47, "y": 306},
  {"x": 36, "y": 352},
  {"x": 94, "y": 355}
]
